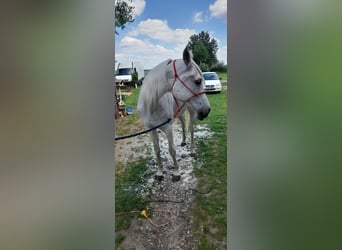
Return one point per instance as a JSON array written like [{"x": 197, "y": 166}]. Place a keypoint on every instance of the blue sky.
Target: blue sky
[{"x": 162, "y": 29}]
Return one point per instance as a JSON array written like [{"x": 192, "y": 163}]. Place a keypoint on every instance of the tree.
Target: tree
[
  {"x": 123, "y": 14},
  {"x": 200, "y": 52},
  {"x": 135, "y": 77},
  {"x": 200, "y": 43}
]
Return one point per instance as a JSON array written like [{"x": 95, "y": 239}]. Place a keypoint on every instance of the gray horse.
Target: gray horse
[{"x": 171, "y": 82}]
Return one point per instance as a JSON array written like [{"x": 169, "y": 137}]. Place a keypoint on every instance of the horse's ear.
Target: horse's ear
[{"x": 187, "y": 55}]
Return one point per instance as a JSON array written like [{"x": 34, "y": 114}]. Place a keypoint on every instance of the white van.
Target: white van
[{"x": 124, "y": 71}]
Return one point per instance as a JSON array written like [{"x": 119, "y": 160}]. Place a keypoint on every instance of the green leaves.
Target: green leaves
[
  {"x": 204, "y": 49},
  {"x": 123, "y": 14}
]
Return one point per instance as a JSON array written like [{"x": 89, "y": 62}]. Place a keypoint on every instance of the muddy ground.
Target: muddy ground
[{"x": 177, "y": 233}]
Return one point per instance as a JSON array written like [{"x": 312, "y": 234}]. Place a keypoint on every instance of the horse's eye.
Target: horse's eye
[{"x": 198, "y": 81}]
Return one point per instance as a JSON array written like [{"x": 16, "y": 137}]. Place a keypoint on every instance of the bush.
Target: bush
[
  {"x": 135, "y": 77},
  {"x": 219, "y": 67},
  {"x": 204, "y": 67}
]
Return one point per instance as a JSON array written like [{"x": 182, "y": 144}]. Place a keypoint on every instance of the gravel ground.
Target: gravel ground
[{"x": 177, "y": 233}]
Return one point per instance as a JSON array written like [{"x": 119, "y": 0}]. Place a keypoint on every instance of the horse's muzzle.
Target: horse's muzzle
[{"x": 203, "y": 114}]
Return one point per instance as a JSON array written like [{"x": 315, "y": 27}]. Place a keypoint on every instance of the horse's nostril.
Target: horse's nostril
[{"x": 203, "y": 114}]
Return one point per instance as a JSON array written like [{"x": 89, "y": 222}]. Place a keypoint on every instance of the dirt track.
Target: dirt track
[{"x": 177, "y": 234}]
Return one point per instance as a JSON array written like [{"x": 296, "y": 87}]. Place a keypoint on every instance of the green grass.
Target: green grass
[
  {"x": 222, "y": 75},
  {"x": 118, "y": 239},
  {"x": 210, "y": 211},
  {"x": 126, "y": 197},
  {"x": 130, "y": 123}
]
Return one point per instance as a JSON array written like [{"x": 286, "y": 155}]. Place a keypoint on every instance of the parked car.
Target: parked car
[{"x": 212, "y": 82}]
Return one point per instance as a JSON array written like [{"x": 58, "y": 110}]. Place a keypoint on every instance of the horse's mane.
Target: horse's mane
[{"x": 153, "y": 87}]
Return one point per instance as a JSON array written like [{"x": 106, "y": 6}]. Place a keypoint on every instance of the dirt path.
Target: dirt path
[{"x": 177, "y": 234}]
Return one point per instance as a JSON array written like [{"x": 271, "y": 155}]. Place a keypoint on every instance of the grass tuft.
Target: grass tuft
[{"x": 126, "y": 197}]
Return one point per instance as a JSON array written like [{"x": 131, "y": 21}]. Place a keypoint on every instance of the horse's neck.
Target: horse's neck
[{"x": 157, "y": 84}]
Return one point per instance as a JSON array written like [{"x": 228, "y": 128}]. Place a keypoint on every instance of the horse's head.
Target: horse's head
[{"x": 187, "y": 85}]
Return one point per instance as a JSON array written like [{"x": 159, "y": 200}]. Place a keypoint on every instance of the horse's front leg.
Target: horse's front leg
[
  {"x": 155, "y": 140},
  {"x": 172, "y": 151}
]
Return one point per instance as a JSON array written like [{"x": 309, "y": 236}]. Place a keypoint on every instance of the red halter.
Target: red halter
[{"x": 180, "y": 107}]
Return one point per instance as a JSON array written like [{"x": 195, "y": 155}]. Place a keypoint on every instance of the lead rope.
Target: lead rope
[{"x": 142, "y": 132}]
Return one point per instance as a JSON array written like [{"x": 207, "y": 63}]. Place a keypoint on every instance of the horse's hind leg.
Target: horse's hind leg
[
  {"x": 192, "y": 121},
  {"x": 155, "y": 140},
  {"x": 172, "y": 151},
  {"x": 181, "y": 118}
]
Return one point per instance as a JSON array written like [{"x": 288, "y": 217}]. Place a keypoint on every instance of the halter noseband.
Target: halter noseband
[{"x": 180, "y": 107}]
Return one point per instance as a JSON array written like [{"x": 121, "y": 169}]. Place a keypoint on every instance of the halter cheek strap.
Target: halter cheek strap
[{"x": 180, "y": 107}]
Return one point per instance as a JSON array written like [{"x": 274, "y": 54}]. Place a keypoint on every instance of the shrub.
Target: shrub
[
  {"x": 204, "y": 67},
  {"x": 219, "y": 67}
]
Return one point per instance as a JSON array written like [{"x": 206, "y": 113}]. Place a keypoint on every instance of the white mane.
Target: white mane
[{"x": 153, "y": 87}]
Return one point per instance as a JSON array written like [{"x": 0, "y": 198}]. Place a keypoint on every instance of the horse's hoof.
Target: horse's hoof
[
  {"x": 158, "y": 177},
  {"x": 183, "y": 144},
  {"x": 175, "y": 178}
]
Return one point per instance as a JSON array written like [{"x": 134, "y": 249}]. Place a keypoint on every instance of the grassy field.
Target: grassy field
[
  {"x": 210, "y": 211},
  {"x": 222, "y": 75},
  {"x": 125, "y": 124}
]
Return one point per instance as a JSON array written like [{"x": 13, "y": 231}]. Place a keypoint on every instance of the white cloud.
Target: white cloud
[
  {"x": 139, "y": 7},
  {"x": 198, "y": 17},
  {"x": 150, "y": 55},
  {"x": 159, "y": 30},
  {"x": 147, "y": 42},
  {"x": 219, "y": 9}
]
